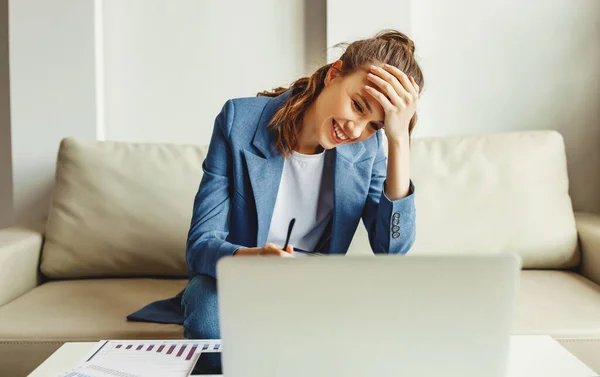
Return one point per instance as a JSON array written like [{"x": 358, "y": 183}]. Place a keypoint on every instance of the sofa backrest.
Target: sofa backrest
[
  {"x": 124, "y": 209},
  {"x": 121, "y": 209},
  {"x": 492, "y": 193}
]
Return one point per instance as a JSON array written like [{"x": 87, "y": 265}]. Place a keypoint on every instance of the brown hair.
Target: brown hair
[{"x": 387, "y": 47}]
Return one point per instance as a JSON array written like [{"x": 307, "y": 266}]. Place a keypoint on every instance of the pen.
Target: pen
[{"x": 289, "y": 233}]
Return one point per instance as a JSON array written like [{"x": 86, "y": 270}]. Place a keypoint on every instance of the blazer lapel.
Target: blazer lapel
[
  {"x": 265, "y": 176},
  {"x": 265, "y": 166}
]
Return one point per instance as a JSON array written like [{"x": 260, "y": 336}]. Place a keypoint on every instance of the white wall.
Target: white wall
[
  {"x": 349, "y": 20},
  {"x": 52, "y": 75},
  {"x": 158, "y": 71},
  {"x": 496, "y": 66},
  {"x": 6, "y": 208},
  {"x": 493, "y": 66},
  {"x": 170, "y": 66}
]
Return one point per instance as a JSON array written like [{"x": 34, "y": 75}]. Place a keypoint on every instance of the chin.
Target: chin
[{"x": 326, "y": 144}]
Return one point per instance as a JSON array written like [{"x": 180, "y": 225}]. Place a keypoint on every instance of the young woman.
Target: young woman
[{"x": 313, "y": 152}]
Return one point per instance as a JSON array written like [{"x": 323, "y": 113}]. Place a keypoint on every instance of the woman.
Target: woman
[{"x": 313, "y": 152}]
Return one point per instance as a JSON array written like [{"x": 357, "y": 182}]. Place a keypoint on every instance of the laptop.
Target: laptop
[{"x": 417, "y": 316}]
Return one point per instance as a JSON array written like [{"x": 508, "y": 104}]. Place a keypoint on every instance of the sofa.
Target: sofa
[{"x": 114, "y": 239}]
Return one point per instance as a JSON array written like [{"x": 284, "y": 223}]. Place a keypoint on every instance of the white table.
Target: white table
[{"x": 530, "y": 356}]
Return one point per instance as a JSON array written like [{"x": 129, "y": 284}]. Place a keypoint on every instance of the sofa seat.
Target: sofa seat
[
  {"x": 562, "y": 304},
  {"x": 33, "y": 326},
  {"x": 36, "y": 324},
  {"x": 96, "y": 309},
  {"x": 83, "y": 310}
]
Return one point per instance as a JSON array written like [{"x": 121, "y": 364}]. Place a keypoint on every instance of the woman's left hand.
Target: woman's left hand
[{"x": 398, "y": 95}]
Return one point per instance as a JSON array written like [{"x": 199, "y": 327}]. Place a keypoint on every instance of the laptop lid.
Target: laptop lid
[{"x": 366, "y": 316}]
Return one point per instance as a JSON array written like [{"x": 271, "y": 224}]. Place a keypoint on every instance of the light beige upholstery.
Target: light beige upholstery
[
  {"x": 588, "y": 226},
  {"x": 506, "y": 193},
  {"x": 121, "y": 209},
  {"x": 37, "y": 323},
  {"x": 562, "y": 304},
  {"x": 492, "y": 193},
  {"x": 92, "y": 309},
  {"x": 20, "y": 248}
]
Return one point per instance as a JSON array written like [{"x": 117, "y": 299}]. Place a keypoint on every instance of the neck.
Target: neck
[{"x": 307, "y": 138}]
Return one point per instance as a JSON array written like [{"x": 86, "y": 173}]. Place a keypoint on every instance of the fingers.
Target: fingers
[
  {"x": 276, "y": 250},
  {"x": 397, "y": 95},
  {"x": 401, "y": 91},
  {"x": 386, "y": 88},
  {"x": 380, "y": 97},
  {"x": 389, "y": 84},
  {"x": 403, "y": 78},
  {"x": 417, "y": 88}
]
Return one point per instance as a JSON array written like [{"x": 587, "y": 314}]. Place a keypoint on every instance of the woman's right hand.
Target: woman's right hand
[{"x": 270, "y": 249}]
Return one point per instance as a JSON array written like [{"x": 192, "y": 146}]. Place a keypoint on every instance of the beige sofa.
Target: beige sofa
[{"x": 115, "y": 235}]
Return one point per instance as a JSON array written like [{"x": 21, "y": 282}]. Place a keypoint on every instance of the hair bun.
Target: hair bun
[{"x": 397, "y": 37}]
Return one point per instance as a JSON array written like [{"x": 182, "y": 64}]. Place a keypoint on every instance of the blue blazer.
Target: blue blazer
[
  {"x": 234, "y": 204},
  {"x": 242, "y": 170}
]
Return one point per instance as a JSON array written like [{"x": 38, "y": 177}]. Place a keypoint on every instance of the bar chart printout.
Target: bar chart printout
[{"x": 123, "y": 358}]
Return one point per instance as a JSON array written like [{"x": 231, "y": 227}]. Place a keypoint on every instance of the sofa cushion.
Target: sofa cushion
[
  {"x": 121, "y": 209},
  {"x": 495, "y": 193},
  {"x": 88, "y": 310},
  {"x": 562, "y": 304}
]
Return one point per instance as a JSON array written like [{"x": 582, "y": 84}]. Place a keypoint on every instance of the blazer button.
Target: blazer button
[
  {"x": 396, "y": 215},
  {"x": 396, "y": 221},
  {"x": 395, "y": 228},
  {"x": 395, "y": 235}
]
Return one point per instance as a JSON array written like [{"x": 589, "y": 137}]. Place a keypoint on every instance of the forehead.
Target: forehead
[
  {"x": 358, "y": 79},
  {"x": 355, "y": 84}
]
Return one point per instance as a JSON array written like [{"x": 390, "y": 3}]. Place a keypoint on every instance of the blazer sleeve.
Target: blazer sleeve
[
  {"x": 390, "y": 224},
  {"x": 209, "y": 228}
]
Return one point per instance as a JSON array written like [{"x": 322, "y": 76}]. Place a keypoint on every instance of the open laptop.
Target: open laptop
[{"x": 417, "y": 316}]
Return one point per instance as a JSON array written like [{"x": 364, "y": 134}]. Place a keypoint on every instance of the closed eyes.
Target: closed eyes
[{"x": 360, "y": 110}]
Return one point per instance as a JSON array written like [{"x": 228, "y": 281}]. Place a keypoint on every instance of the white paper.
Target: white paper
[{"x": 124, "y": 358}]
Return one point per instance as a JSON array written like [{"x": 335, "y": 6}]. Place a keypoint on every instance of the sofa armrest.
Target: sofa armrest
[
  {"x": 20, "y": 248},
  {"x": 588, "y": 229}
]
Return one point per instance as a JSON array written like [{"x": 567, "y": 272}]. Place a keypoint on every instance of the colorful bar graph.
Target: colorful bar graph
[
  {"x": 181, "y": 351},
  {"x": 192, "y": 351},
  {"x": 170, "y": 351},
  {"x": 160, "y": 348}
]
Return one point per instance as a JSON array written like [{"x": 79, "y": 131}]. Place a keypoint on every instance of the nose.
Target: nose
[{"x": 355, "y": 129}]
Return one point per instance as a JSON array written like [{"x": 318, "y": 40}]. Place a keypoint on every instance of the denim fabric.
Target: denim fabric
[
  {"x": 201, "y": 309},
  {"x": 163, "y": 311}
]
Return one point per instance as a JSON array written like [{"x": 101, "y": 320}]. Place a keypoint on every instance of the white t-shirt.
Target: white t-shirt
[{"x": 306, "y": 194}]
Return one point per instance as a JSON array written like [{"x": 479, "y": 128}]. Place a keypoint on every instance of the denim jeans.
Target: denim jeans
[{"x": 201, "y": 308}]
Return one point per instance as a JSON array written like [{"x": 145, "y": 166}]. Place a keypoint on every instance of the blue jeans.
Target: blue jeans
[{"x": 201, "y": 308}]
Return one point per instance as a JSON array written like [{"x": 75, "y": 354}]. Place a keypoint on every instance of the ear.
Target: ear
[{"x": 333, "y": 72}]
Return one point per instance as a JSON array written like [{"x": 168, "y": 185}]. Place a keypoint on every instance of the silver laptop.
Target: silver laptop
[{"x": 417, "y": 316}]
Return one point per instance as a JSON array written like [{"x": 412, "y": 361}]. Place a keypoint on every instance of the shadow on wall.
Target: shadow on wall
[{"x": 315, "y": 34}]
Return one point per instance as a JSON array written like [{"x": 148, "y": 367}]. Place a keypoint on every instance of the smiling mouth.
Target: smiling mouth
[{"x": 337, "y": 132}]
